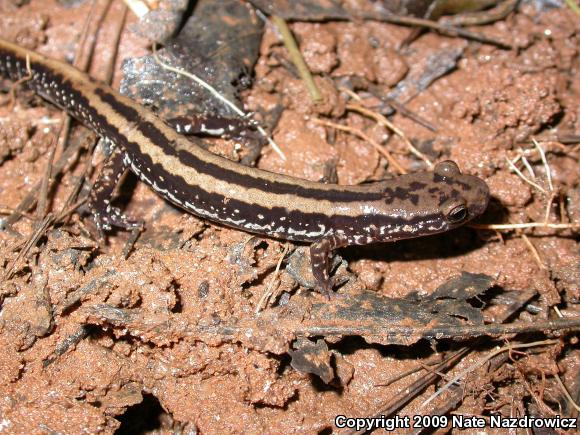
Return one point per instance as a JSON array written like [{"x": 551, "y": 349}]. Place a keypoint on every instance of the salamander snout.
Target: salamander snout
[{"x": 479, "y": 196}]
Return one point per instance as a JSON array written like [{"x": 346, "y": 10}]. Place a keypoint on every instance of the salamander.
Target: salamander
[{"x": 328, "y": 216}]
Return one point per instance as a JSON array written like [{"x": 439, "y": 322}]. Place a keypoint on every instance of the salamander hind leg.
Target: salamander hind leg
[
  {"x": 320, "y": 256},
  {"x": 104, "y": 214}
]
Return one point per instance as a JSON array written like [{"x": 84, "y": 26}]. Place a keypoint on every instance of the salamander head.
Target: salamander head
[
  {"x": 425, "y": 203},
  {"x": 459, "y": 197}
]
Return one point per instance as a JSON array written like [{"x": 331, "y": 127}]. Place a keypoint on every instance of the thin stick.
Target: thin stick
[
  {"x": 534, "y": 252},
  {"x": 363, "y": 136},
  {"x": 350, "y": 93},
  {"x": 523, "y": 177},
  {"x": 30, "y": 199},
  {"x": 130, "y": 243},
  {"x": 429, "y": 24},
  {"x": 548, "y": 177},
  {"x": 8, "y": 210},
  {"x": 32, "y": 240},
  {"x": 402, "y": 109},
  {"x": 45, "y": 184},
  {"x": 499, "y": 12},
  {"x": 413, "y": 390},
  {"x": 380, "y": 119},
  {"x": 481, "y": 362},
  {"x": 545, "y": 162},
  {"x": 296, "y": 57},
  {"x": 401, "y": 376},
  {"x": 566, "y": 393},
  {"x": 18, "y": 82},
  {"x": 268, "y": 293},
  {"x": 108, "y": 78},
  {"x": 81, "y": 62},
  {"x": 67, "y": 211},
  {"x": 562, "y": 207},
  {"x": 409, "y": 372},
  {"x": 138, "y": 7},
  {"x": 549, "y": 206},
  {"x": 527, "y": 165},
  {"x": 538, "y": 397},
  {"x": 510, "y": 227}
]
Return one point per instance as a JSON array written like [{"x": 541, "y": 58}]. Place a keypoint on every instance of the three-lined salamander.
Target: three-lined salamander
[{"x": 326, "y": 215}]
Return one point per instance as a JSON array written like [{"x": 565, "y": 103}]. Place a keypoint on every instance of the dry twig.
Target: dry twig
[
  {"x": 433, "y": 25},
  {"x": 392, "y": 161},
  {"x": 551, "y": 194},
  {"x": 268, "y": 293},
  {"x": 481, "y": 362},
  {"x": 297, "y": 58},
  {"x": 381, "y": 120}
]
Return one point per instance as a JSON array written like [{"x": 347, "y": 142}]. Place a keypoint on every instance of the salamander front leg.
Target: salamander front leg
[
  {"x": 320, "y": 255},
  {"x": 104, "y": 214}
]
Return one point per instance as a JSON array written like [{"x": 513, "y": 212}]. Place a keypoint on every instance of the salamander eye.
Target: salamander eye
[
  {"x": 458, "y": 214},
  {"x": 455, "y": 211},
  {"x": 447, "y": 168}
]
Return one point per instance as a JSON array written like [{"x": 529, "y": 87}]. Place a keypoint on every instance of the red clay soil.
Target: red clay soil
[{"x": 149, "y": 370}]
